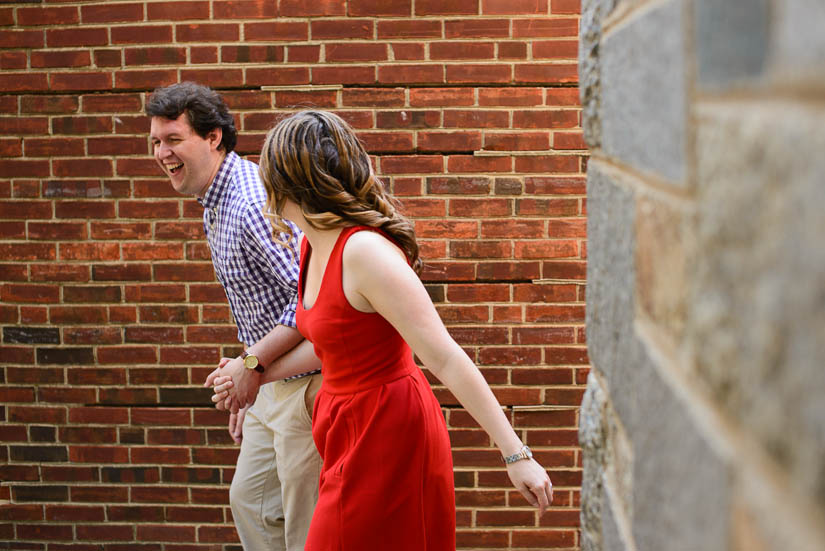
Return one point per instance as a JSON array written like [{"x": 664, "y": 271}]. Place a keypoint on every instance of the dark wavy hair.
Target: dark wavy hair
[
  {"x": 314, "y": 159},
  {"x": 204, "y": 108}
]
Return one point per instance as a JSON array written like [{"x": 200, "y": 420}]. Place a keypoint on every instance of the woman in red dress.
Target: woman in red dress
[{"x": 387, "y": 478}]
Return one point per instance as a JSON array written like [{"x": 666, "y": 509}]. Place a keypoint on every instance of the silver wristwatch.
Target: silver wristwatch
[{"x": 523, "y": 453}]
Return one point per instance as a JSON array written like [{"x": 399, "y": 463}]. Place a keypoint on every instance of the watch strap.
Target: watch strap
[{"x": 523, "y": 453}]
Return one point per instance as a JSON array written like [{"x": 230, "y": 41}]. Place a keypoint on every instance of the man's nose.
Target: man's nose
[{"x": 162, "y": 150}]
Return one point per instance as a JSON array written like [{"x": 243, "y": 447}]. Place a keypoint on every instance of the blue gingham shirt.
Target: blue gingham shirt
[{"x": 260, "y": 277}]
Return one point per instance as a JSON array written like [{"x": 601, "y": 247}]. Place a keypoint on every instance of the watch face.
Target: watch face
[{"x": 250, "y": 362}]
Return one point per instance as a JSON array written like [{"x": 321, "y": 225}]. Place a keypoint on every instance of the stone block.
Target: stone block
[
  {"x": 590, "y": 35},
  {"x": 764, "y": 518},
  {"x": 592, "y": 433},
  {"x": 731, "y": 38},
  {"x": 798, "y": 50},
  {"x": 643, "y": 91},
  {"x": 757, "y": 297},
  {"x": 610, "y": 283},
  {"x": 662, "y": 250},
  {"x": 681, "y": 482}
]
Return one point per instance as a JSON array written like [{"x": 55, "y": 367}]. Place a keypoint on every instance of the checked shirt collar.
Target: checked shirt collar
[{"x": 220, "y": 184}]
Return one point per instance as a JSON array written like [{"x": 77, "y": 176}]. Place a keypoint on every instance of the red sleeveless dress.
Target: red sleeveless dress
[{"x": 387, "y": 477}]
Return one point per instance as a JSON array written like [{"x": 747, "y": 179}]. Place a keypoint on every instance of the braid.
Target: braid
[{"x": 314, "y": 159}]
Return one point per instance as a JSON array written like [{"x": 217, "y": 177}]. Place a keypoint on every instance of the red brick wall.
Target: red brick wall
[{"x": 111, "y": 316}]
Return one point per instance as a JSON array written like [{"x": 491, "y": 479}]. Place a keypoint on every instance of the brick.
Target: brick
[
  {"x": 553, "y": 313},
  {"x": 124, "y": 272},
  {"x": 282, "y": 77},
  {"x": 462, "y": 50},
  {"x": 512, "y": 50},
  {"x": 411, "y": 164},
  {"x": 546, "y": 73},
  {"x": 244, "y": 9},
  {"x": 513, "y": 7},
  {"x": 517, "y": 141},
  {"x": 176, "y": 11},
  {"x": 379, "y": 8},
  {"x": 13, "y": 60},
  {"x": 449, "y": 141},
  {"x": 423, "y": 97},
  {"x": 303, "y": 54},
  {"x": 387, "y": 142},
  {"x": 555, "y": 186},
  {"x": 100, "y": 494},
  {"x": 38, "y": 454},
  {"x": 21, "y": 38},
  {"x": 19, "y": 168},
  {"x": 470, "y": 163},
  {"x": 63, "y": 58},
  {"x": 89, "y": 251},
  {"x": 565, "y": 6},
  {"x": 224, "y": 78},
  {"x": 547, "y": 207},
  {"x": 478, "y": 73},
  {"x": 277, "y": 31},
  {"x": 544, "y": 538},
  {"x": 316, "y": 99},
  {"x": 300, "y": 8},
  {"x": 85, "y": 36},
  {"x": 476, "y": 119},
  {"x": 545, "y": 119},
  {"x": 111, "y": 13},
  {"x": 48, "y": 147},
  {"x": 252, "y": 54},
  {"x": 410, "y": 28},
  {"x": 555, "y": 49},
  {"x": 80, "y": 81},
  {"x": 373, "y": 97},
  {"x": 510, "y": 96},
  {"x": 25, "y": 209},
  {"x": 108, "y": 58},
  {"x": 29, "y": 293},
  {"x": 23, "y": 82},
  {"x": 568, "y": 140},
  {"x": 119, "y": 230},
  {"x": 29, "y": 17},
  {"x": 552, "y": 27},
  {"x": 411, "y": 74},
  {"x": 512, "y": 228},
  {"x": 367, "y": 51},
  {"x": 135, "y": 513},
  {"x": 86, "y": 168},
  {"x": 144, "y": 80},
  {"x": 567, "y": 228},
  {"x": 446, "y": 7},
  {"x": 407, "y": 119},
  {"x": 159, "y": 55},
  {"x": 168, "y": 314},
  {"x": 477, "y": 28},
  {"x": 156, "y": 293}
]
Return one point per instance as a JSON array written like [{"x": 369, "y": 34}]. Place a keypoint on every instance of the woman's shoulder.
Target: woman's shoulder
[{"x": 369, "y": 246}]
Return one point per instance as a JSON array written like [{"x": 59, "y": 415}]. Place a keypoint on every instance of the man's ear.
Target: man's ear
[{"x": 214, "y": 137}]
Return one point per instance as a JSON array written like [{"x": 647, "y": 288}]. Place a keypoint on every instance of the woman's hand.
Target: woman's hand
[
  {"x": 532, "y": 481},
  {"x": 220, "y": 388}
]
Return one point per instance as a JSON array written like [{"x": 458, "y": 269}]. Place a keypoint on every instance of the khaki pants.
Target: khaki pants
[{"x": 275, "y": 486}]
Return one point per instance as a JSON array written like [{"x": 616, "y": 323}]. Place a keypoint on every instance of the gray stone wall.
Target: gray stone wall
[{"x": 703, "y": 425}]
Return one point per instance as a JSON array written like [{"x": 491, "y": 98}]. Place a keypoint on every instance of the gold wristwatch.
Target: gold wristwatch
[
  {"x": 523, "y": 453},
  {"x": 250, "y": 361}
]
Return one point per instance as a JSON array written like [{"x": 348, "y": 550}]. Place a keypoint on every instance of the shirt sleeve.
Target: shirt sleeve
[{"x": 281, "y": 261}]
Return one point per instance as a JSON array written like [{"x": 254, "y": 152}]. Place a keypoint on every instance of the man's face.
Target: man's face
[{"x": 190, "y": 161}]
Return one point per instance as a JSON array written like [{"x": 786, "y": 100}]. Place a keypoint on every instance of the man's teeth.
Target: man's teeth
[{"x": 174, "y": 168}]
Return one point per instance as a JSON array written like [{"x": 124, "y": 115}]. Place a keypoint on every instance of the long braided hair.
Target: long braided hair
[{"x": 314, "y": 159}]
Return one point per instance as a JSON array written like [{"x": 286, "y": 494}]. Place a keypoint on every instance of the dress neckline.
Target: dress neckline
[{"x": 305, "y": 267}]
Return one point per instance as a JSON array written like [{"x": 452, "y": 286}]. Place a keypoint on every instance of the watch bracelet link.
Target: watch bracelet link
[{"x": 524, "y": 453}]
